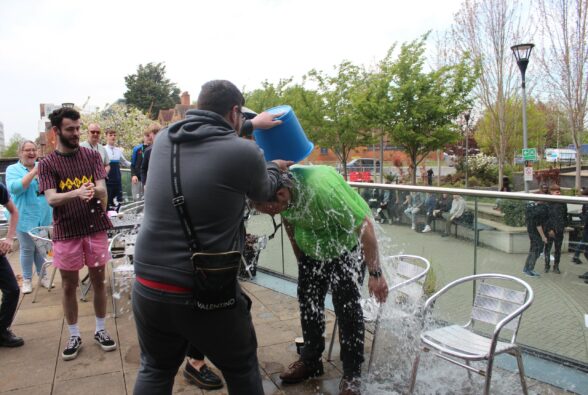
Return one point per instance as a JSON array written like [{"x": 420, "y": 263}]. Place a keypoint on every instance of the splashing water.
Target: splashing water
[{"x": 398, "y": 341}]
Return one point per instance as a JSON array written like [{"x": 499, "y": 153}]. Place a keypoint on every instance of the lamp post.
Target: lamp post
[
  {"x": 466, "y": 116},
  {"x": 522, "y": 52}
]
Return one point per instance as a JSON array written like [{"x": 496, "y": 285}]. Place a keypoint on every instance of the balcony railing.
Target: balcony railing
[{"x": 554, "y": 327}]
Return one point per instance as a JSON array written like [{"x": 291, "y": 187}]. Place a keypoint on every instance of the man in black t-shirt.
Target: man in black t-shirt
[{"x": 8, "y": 284}]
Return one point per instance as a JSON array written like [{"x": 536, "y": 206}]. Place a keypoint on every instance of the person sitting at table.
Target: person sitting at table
[{"x": 23, "y": 185}]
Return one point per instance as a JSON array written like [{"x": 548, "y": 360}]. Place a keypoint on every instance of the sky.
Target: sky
[{"x": 56, "y": 51}]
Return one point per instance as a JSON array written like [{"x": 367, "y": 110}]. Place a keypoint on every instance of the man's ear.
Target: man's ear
[{"x": 283, "y": 195}]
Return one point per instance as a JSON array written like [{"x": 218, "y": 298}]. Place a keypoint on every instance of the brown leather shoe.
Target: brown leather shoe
[
  {"x": 350, "y": 386},
  {"x": 301, "y": 370}
]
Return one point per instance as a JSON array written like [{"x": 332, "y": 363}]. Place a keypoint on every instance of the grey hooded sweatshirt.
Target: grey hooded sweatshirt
[{"x": 218, "y": 170}]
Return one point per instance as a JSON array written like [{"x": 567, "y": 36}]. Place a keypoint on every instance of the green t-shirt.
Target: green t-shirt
[{"x": 326, "y": 212}]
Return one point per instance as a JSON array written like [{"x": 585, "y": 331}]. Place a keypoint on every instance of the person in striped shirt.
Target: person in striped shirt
[{"x": 72, "y": 179}]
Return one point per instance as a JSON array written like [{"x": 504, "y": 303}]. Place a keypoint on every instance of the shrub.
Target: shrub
[{"x": 513, "y": 210}]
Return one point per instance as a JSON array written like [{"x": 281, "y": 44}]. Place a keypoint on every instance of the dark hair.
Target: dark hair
[
  {"x": 219, "y": 96},
  {"x": 56, "y": 117}
]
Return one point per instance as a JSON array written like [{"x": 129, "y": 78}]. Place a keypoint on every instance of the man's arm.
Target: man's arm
[
  {"x": 6, "y": 244},
  {"x": 123, "y": 161},
  {"x": 84, "y": 192},
  {"x": 100, "y": 192},
  {"x": 369, "y": 245},
  {"x": 290, "y": 232}
]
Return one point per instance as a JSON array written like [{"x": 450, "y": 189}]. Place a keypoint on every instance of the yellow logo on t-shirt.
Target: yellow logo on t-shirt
[{"x": 69, "y": 184}]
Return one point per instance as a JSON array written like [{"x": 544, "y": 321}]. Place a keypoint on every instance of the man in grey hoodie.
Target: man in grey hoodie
[{"x": 218, "y": 170}]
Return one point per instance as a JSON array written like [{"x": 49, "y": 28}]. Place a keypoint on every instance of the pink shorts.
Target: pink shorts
[{"x": 72, "y": 254}]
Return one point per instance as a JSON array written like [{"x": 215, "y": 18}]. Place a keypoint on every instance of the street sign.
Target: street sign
[
  {"x": 528, "y": 174},
  {"x": 530, "y": 154}
]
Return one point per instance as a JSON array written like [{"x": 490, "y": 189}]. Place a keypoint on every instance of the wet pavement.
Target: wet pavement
[{"x": 37, "y": 367}]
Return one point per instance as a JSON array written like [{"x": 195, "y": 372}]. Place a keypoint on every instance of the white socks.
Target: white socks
[
  {"x": 74, "y": 330},
  {"x": 100, "y": 324}
]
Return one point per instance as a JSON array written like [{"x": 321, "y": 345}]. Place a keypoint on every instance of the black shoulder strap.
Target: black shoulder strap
[{"x": 179, "y": 202}]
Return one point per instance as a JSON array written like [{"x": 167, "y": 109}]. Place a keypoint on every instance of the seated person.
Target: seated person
[
  {"x": 414, "y": 202},
  {"x": 458, "y": 207},
  {"x": 430, "y": 206}
]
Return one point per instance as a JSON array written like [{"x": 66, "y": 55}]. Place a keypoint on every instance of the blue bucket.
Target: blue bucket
[{"x": 286, "y": 141}]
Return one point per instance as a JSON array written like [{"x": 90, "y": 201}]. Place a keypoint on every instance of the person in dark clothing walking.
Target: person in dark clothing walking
[
  {"x": 8, "y": 284},
  {"x": 554, "y": 229},
  {"x": 581, "y": 246},
  {"x": 430, "y": 177},
  {"x": 536, "y": 217}
]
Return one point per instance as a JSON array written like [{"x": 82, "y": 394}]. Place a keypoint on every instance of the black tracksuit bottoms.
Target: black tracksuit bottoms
[{"x": 345, "y": 276}]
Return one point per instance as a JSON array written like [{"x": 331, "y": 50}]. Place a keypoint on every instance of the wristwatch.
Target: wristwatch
[{"x": 376, "y": 273}]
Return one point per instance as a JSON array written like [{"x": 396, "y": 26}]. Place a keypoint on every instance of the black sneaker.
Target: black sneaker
[
  {"x": 203, "y": 378},
  {"x": 104, "y": 340},
  {"x": 576, "y": 260},
  {"x": 9, "y": 339},
  {"x": 72, "y": 348}
]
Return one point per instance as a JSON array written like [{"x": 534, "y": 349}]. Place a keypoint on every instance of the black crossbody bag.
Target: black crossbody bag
[{"x": 215, "y": 274}]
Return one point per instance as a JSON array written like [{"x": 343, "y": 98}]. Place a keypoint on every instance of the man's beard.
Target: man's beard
[{"x": 67, "y": 143}]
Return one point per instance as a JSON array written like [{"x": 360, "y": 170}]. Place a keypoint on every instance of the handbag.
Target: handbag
[{"x": 214, "y": 275}]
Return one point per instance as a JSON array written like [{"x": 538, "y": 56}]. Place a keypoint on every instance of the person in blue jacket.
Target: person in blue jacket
[{"x": 23, "y": 186}]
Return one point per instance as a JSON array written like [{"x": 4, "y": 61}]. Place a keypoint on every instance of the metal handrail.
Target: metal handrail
[{"x": 475, "y": 192}]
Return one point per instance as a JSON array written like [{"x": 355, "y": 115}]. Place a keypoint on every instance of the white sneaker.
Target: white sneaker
[
  {"x": 413, "y": 227},
  {"x": 45, "y": 282},
  {"x": 27, "y": 286},
  {"x": 427, "y": 229}
]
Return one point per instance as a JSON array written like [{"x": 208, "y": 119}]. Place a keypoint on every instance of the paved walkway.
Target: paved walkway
[{"x": 37, "y": 368}]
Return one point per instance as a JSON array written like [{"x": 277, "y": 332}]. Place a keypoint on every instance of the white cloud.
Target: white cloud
[{"x": 66, "y": 50}]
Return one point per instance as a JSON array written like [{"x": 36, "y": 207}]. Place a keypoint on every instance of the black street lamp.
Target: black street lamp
[
  {"x": 466, "y": 117},
  {"x": 522, "y": 53}
]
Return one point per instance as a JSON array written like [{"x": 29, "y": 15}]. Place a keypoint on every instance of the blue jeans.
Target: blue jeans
[{"x": 29, "y": 254}]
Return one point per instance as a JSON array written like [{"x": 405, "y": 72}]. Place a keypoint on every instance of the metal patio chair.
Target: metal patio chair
[
  {"x": 42, "y": 237},
  {"x": 405, "y": 274},
  {"x": 123, "y": 273},
  {"x": 497, "y": 306}
]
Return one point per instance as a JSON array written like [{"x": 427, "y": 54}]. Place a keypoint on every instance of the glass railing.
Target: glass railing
[{"x": 490, "y": 238}]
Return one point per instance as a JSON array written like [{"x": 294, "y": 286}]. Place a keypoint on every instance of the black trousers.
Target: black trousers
[
  {"x": 535, "y": 249},
  {"x": 167, "y": 323},
  {"x": 558, "y": 241},
  {"x": 10, "y": 293},
  {"x": 583, "y": 244},
  {"x": 114, "y": 192},
  {"x": 345, "y": 276},
  {"x": 194, "y": 353}
]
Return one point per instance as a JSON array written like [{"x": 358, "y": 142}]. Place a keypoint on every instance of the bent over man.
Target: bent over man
[{"x": 332, "y": 235}]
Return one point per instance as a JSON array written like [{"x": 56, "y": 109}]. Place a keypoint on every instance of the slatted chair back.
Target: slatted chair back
[
  {"x": 406, "y": 274},
  {"x": 493, "y": 303},
  {"x": 42, "y": 237}
]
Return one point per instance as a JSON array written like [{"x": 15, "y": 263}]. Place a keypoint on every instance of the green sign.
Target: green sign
[{"x": 530, "y": 154}]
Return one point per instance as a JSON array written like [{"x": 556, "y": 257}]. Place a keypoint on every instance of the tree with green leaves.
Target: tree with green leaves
[
  {"x": 418, "y": 109},
  {"x": 11, "y": 150},
  {"x": 150, "y": 91},
  {"x": 129, "y": 123},
  {"x": 305, "y": 103},
  {"x": 337, "y": 123},
  {"x": 487, "y": 135}
]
